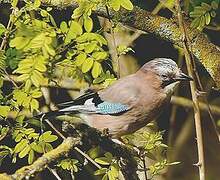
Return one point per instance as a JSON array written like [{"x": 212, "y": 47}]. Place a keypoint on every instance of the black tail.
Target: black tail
[{"x": 54, "y": 114}]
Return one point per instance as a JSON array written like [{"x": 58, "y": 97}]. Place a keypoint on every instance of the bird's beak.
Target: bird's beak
[{"x": 183, "y": 77}]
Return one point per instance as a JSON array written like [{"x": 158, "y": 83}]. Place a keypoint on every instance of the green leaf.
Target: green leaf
[
  {"x": 77, "y": 13},
  {"x": 37, "y": 3},
  {"x": 35, "y": 79},
  {"x": 75, "y": 28},
  {"x": 88, "y": 24},
  {"x": 101, "y": 171},
  {"x": 90, "y": 47},
  {"x": 94, "y": 152},
  {"x": 2, "y": 29},
  {"x": 4, "y": 110},
  {"x": 30, "y": 157},
  {"x": 63, "y": 27},
  {"x": 14, "y": 3},
  {"x": 214, "y": 5},
  {"x": 48, "y": 147},
  {"x": 18, "y": 137},
  {"x": 102, "y": 160},
  {"x": 19, "y": 42},
  {"x": 29, "y": 131},
  {"x": 105, "y": 177},
  {"x": 23, "y": 77},
  {"x": 24, "y": 152},
  {"x": 34, "y": 105},
  {"x": 213, "y": 13},
  {"x": 115, "y": 4},
  {"x": 49, "y": 50},
  {"x": 21, "y": 145},
  {"x": 114, "y": 170},
  {"x": 36, "y": 94},
  {"x": 96, "y": 70},
  {"x": 47, "y": 137},
  {"x": 126, "y": 4},
  {"x": 109, "y": 156},
  {"x": 207, "y": 18},
  {"x": 206, "y": 6},
  {"x": 195, "y": 23},
  {"x": 87, "y": 65},
  {"x": 37, "y": 147},
  {"x": 80, "y": 59},
  {"x": 100, "y": 55},
  {"x": 40, "y": 66},
  {"x": 28, "y": 84}
]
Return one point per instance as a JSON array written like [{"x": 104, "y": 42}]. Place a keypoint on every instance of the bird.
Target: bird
[{"x": 131, "y": 102}]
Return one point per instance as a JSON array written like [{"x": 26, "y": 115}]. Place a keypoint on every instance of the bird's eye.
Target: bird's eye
[{"x": 164, "y": 76}]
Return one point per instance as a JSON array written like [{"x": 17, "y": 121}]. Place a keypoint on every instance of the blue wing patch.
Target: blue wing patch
[{"x": 111, "y": 108}]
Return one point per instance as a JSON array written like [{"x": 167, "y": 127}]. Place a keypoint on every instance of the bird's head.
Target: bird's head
[{"x": 166, "y": 70}]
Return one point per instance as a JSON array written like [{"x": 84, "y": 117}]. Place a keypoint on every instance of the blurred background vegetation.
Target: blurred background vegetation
[{"x": 51, "y": 55}]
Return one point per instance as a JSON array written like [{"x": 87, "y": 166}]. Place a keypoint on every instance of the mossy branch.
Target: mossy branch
[
  {"x": 202, "y": 48},
  {"x": 41, "y": 163}
]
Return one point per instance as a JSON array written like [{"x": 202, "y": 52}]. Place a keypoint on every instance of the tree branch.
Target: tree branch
[
  {"x": 167, "y": 29},
  {"x": 41, "y": 163},
  {"x": 197, "y": 116},
  {"x": 181, "y": 101}
]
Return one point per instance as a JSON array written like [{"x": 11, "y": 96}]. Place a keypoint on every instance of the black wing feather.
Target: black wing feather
[{"x": 82, "y": 99}]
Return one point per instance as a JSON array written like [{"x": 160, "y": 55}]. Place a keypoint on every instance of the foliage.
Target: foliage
[
  {"x": 203, "y": 14},
  {"x": 37, "y": 51},
  {"x": 41, "y": 51}
]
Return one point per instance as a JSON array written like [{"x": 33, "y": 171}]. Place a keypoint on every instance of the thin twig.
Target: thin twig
[
  {"x": 145, "y": 168},
  {"x": 76, "y": 148},
  {"x": 201, "y": 158},
  {"x": 54, "y": 172},
  {"x": 114, "y": 44},
  {"x": 181, "y": 101},
  {"x": 42, "y": 162}
]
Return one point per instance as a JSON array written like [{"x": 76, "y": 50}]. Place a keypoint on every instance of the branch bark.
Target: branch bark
[
  {"x": 41, "y": 163},
  {"x": 167, "y": 29},
  {"x": 197, "y": 116}
]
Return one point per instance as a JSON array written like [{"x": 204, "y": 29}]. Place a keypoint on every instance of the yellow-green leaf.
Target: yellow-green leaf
[
  {"x": 28, "y": 84},
  {"x": 87, "y": 65},
  {"x": 96, "y": 70},
  {"x": 126, "y": 4},
  {"x": 102, "y": 160},
  {"x": 37, "y": 3},
  {"x": 88, "y": 24},
  {"x": 63, "y": 27},
  {"x": 207, "y": 18},
  {"x": 24, "y": 152},
  {"x": 4, "y": 110},
  {"x": 40, "y": 66},
  {"x": 23, "y": 77},
  {"x": 80, "y": 59},
  {"x": 19, "y": 42},
  {"x": 75, "y": 28},
  {"x": 35, "y": 79},
  {"x": 14, "y": 3},
  {"x": 115, "y": 4},
  {"x": 36, "y": 94},
  {"x": 31, "y": 156},
  {"x": 21, "y": 145},
  {"x": 99, "y": 55},
  {"x": 34, "y": 104}
]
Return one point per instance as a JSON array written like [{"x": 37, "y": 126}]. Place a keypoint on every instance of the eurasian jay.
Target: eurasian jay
[{"x": 129, "y": 103}]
